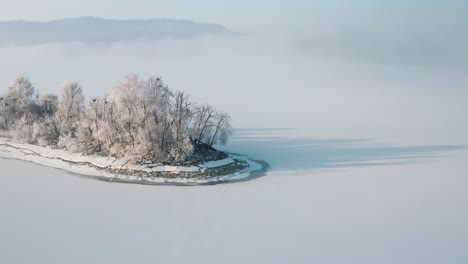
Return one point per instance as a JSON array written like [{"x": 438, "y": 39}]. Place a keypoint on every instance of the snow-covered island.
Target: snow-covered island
[{"x": 141, "y": 132}]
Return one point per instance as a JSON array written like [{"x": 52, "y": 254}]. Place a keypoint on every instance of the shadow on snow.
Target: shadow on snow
[{"x": 293, "y": 154}]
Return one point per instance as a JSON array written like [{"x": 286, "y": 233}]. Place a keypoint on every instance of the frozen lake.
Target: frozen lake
[
  {"x": 377, "y": 176},
  {"x": 325, "y": 201}
]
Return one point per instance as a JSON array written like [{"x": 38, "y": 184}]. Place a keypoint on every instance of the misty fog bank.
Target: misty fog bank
[{"x": 332, "y": 81}]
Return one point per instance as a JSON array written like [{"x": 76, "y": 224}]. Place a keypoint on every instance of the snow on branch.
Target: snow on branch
[{"x": 141, "y": 119}]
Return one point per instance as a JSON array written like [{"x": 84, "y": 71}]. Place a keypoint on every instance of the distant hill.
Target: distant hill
[{"x": 98, "y": 30}]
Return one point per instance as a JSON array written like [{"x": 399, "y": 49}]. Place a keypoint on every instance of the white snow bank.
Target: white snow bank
[
  {"x": 218, "y": 163},
  {"x": 80, "y": 164}
]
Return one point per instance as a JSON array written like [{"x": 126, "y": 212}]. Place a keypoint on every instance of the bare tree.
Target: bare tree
[
  {"x": 182, "y": 114},
  {"x": 222, "y": 129},
  {"x": 204, "y": 117}
]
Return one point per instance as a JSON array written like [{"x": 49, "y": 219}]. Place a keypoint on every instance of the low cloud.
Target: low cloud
[{"x": 337, "y": 81}]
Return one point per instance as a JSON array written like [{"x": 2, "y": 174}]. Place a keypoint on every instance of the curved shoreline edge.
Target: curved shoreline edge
[
  {"x": 104, "y": 169},
  {"x": 252, "y": 175}
]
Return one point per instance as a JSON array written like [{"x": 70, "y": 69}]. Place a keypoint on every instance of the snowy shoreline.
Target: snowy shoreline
[{"x": 238, "y": 167}]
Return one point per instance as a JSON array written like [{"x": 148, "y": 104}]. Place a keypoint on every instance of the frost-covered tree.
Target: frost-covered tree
[
  {"x": 127, "y": 98},
  {"x": 48, "y": 104},
  {"x": 70, "y": 109},
  {"x": 21, "y": 91},
  {"x": 182, "y": 114},
  {"x": 46, "y": 131},
  {"x": 91, "y": 125},
  {"x": 140, "y": 120},
  {"x": 20, "y": 109},
  {"x": 4, "y": 118},
  {"x": 24, "y": 129},
  {"x": 17, "y": 102},
  {"x": 155, "y": 104}
]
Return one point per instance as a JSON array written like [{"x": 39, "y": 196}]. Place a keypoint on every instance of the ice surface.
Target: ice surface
[
  {"x": 405, "y": 213},
  {"x": 218, "y": 163}
]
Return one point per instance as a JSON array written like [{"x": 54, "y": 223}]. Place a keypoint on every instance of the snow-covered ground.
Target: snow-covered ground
[
  {"x": 399, "y": 212},
  {"x": 99, "y": 167}
]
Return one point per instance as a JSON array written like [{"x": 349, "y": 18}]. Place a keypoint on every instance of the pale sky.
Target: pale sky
[{"x": 240, "y": 13}]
